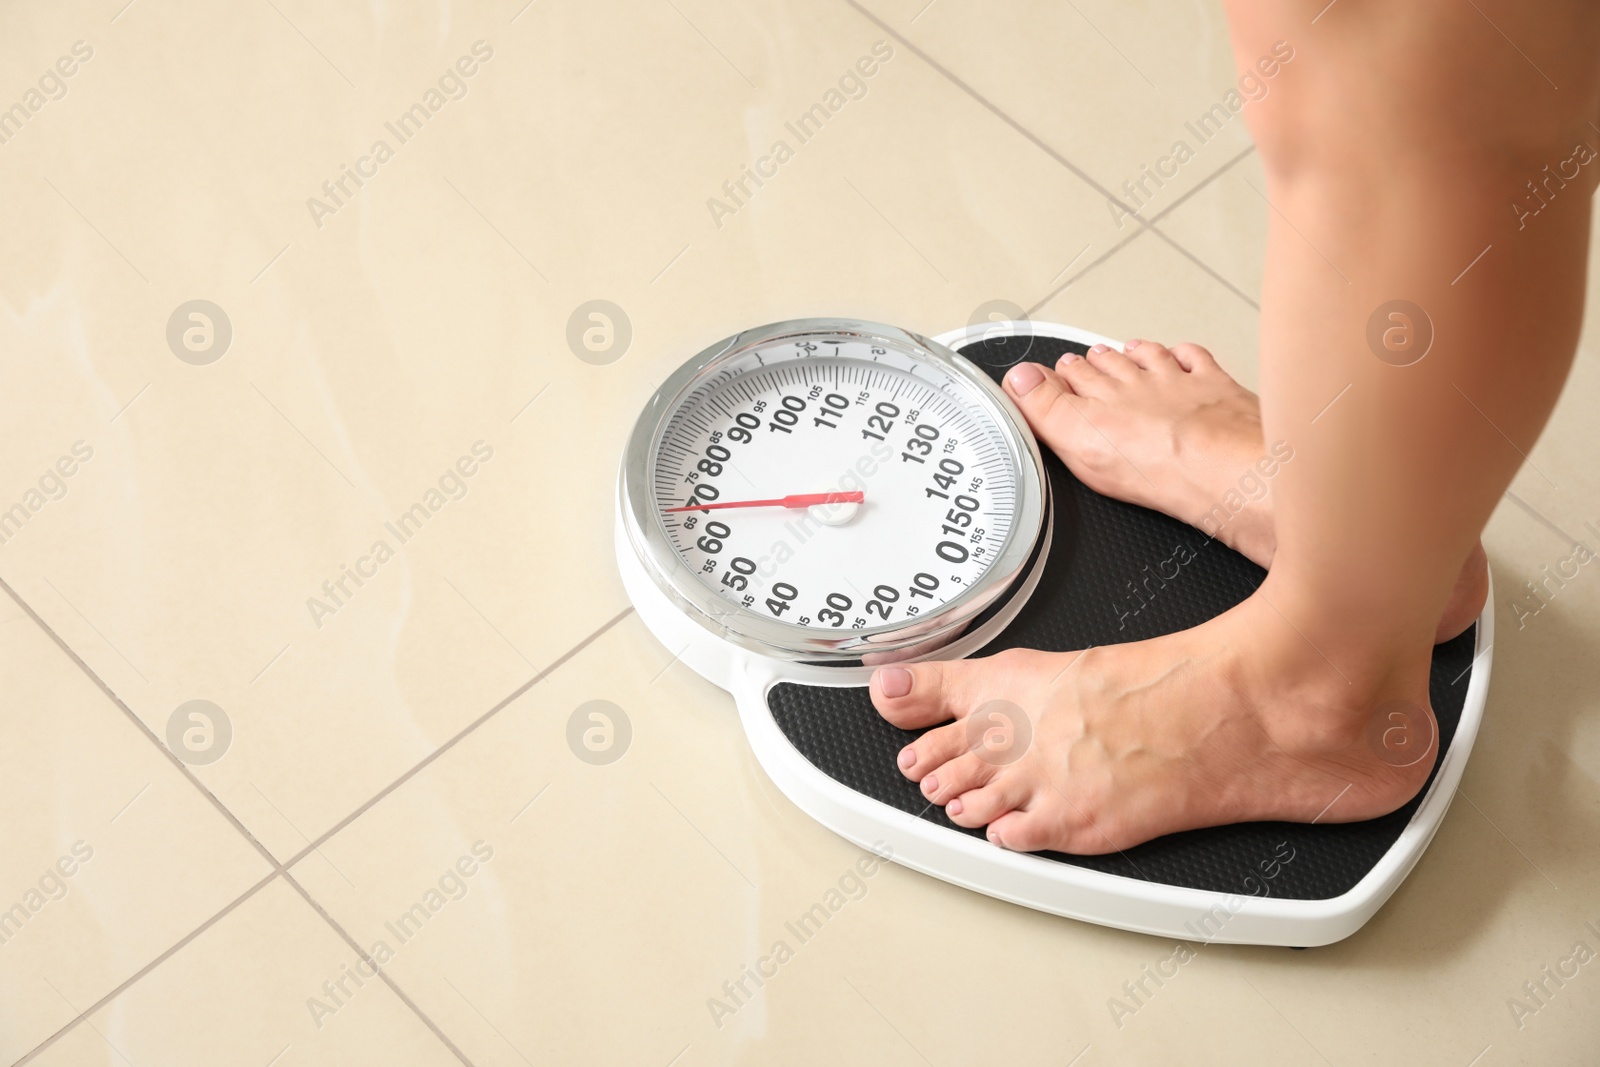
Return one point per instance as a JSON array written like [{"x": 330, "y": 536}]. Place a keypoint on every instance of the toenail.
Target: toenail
[
  {"x": 893, "y": 681},
  {"x": 994, "y": 839},
  {"x": 954, "y": 807},
  {"x": 1135, "y": 343},
  {"x": 1024, "y": 378},
  {"x": 1096, "y": 348},
  {"x": 1069, "y": 357},
  {"x": 930, "y": 784},
  {"x": 908, "y": 756}
]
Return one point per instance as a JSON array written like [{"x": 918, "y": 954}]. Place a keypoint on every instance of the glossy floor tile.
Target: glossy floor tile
[
  {"x": 306, "y": 504},
  {"x": 240, "y": 993},
  {"x": 112, "y": 855}
]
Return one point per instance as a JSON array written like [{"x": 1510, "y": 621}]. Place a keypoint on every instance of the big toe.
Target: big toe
[
  {"x": 918, "y": 694},
  {"x": 1049, "y": 403}
]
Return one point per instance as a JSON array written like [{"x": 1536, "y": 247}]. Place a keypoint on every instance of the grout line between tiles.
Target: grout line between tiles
[
  {"x": 1039, "y": 143},
  {"x": 277, "y": 867},
  {"x": 1153, "y": 227},
  {"x": 1201, "y": 184},
  {"x": 448, "y": 745},
  {"x": 394, "y": 987},
  {"x": 1197, "y": 261},
  {"x": 1091, "y": 265},
  {"x": 984, "y": 101},
  {"x": 139, "y": 724},
  {"x": 147, "y": 968},
  {"x": 184, "y": 769}
]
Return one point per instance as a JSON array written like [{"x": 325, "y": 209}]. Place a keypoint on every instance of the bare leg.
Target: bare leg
[
  {"x": 1168, "y": 429},
  {"x": 1395, "y": 147},
  {"x": 1394, "y": 191}
]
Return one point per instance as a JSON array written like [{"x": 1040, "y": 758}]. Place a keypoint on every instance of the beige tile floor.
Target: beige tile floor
[{"x": 420, "y": 725}]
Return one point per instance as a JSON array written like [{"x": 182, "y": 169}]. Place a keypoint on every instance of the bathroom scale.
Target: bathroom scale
[{"x": 805, "y": 501}]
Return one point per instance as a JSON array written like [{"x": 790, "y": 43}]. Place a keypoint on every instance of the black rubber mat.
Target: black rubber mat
[{"x": 1096, "y": 590}]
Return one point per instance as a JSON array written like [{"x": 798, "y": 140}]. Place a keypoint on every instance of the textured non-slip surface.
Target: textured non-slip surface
[{"x": 1103, "y": 584}]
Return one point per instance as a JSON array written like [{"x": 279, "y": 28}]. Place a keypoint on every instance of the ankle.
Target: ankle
[
  {"x": 1365, "y": 626},
  {"x": 1252, "y": 535},
  {"x": 1243, "y": 525},
  {"x": 1292, "y": 664}
]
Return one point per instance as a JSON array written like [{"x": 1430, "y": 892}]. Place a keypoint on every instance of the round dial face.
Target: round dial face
[{"x": 838, "y": 483}]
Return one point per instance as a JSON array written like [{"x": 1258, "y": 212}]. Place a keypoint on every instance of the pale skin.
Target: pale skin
[{"x": 1395, "y": 147}]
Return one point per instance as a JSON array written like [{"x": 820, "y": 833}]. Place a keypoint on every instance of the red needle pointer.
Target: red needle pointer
[{"x": 797, "y": 500}]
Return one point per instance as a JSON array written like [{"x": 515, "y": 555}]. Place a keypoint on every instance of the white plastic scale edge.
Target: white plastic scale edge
[{"x": 1045, "y": 885}]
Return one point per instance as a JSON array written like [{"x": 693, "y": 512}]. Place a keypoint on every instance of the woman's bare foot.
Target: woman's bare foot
[
  {"x": 1168, "y": 429},
  {"x": 1235, "y": 720}
]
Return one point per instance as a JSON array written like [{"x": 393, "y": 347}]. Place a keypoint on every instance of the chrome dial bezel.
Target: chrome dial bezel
[{"x": 642, "y": 513}]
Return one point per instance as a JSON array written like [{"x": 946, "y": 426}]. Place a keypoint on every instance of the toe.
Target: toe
[
  {"x": 1192, "y": 358},
  {"x": 981, "y": 806},
  {"x": 930, "y": 753},
  {"x": 1082, "y": 376},
  {"x": 961, "y": 774},
  {"x": 1109, "y": 361},
  {"x": 1150, "y": 355},
  {"x": 919, "y": 694},
  {"x": 1051, "y": 405},
  {"x": 1026, "y": 379},
  {"x": 1023, "y": 831}
]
